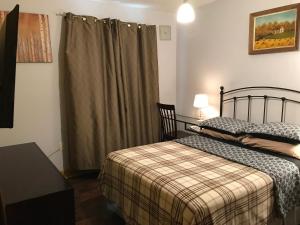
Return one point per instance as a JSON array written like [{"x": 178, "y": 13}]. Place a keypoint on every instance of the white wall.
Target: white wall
[
  {"x": 213, "y": 51},
  {"x": 37, "y": 107}
]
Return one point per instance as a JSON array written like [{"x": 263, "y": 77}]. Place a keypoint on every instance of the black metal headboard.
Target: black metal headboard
[{"x": 250, "y": 98}]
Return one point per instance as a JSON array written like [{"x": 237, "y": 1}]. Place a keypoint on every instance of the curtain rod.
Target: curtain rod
[{"x": 63, "y": 14}]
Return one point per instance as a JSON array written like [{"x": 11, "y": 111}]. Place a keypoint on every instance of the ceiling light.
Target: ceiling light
[{"x": 185, "y": 13}]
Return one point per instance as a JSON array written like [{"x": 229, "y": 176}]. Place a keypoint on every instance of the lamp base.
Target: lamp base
[{"x": 201, "y": 116}]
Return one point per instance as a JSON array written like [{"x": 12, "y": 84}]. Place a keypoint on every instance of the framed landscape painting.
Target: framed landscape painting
[{"x": 274, "y": 30}]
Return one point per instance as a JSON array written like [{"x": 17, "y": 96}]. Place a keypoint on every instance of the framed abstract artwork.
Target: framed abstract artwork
[
  {"x": 34, "y": 44},
  {"x": 274, "y": 30}
]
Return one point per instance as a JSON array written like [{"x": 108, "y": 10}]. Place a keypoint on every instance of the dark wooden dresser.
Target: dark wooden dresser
[{"x": 33, "y": 192}]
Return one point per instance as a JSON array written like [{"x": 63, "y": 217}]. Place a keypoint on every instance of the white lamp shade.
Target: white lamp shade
[
  {"x": 201, "y": 101},
  {"x": 185, "y": 13}
]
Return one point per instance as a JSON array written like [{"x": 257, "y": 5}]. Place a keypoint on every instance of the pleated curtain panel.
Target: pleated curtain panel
[{"x": 110, "y": 88}]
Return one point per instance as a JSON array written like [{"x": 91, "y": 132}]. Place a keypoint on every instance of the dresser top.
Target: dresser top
[{"x": 26, "y": 173}]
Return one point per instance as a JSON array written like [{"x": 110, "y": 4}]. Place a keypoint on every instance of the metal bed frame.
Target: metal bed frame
[{"x": 224, "y": 98}]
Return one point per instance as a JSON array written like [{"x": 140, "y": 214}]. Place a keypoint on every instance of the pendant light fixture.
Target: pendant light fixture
[{"x": 185, "y": 13}]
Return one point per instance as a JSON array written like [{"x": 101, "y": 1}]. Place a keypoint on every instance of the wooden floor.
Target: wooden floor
[{"x": 90, "y": 207}]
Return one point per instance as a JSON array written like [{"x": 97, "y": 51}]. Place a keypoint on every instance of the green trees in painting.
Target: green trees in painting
[{"x": 275, "y": 30}]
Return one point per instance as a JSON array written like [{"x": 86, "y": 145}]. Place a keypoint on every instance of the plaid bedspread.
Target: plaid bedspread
[{"x": 172, "y": 184}]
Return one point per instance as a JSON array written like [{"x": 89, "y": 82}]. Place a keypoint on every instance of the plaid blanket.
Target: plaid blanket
[{"x": 172, "y": 184}]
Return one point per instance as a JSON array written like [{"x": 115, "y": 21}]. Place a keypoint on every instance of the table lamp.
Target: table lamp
[{"x": 201, "y": 102}]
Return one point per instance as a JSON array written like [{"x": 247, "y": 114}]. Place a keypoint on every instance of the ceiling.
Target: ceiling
[{"x": 166, "y": 5}]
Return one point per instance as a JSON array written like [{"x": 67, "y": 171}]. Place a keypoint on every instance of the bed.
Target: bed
[{"x": 226, "y": 175}]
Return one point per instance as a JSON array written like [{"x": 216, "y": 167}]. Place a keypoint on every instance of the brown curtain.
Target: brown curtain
[{"x": 110, "y": 86}]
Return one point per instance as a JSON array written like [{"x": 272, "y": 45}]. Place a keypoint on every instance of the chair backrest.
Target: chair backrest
[{"x": 168, "y": 121}]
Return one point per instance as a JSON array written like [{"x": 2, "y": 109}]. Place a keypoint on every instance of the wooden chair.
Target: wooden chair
[{"x": 168, "y": 123}]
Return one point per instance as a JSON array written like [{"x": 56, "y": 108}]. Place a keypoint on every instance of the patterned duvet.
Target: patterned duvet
[{"x": 172, "y": 184}]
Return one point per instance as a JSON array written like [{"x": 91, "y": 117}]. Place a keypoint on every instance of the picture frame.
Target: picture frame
[
  {"x": 165, "y": 32},
  {"x": 274, "y": 30}
]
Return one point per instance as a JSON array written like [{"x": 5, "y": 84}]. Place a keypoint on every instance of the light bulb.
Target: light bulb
[{"x": 185, "y": 13}]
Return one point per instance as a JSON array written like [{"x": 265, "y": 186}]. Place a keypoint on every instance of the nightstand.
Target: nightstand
[{"x": 190, "y": 123}]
